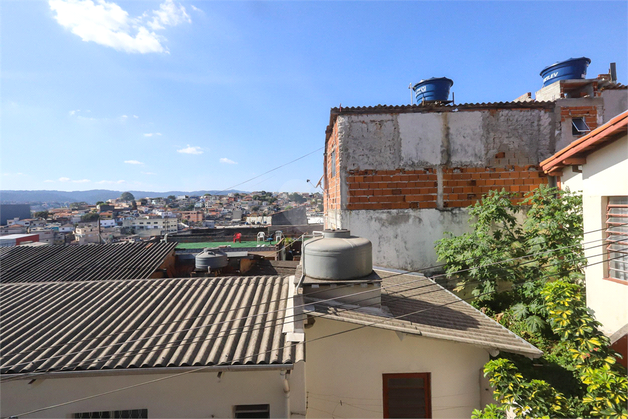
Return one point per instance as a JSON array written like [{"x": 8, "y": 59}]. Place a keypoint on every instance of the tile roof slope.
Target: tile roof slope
[
  {"x": 82, "y": 262},
  {"x": 157, "y": 323},
  {"x": 422, "y": 307}
]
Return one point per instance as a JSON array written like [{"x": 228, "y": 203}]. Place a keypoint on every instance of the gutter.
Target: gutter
[{"x": 138, "y": 371}]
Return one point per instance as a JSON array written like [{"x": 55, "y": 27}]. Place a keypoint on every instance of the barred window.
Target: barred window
[
  {"x": 115, "y": 414},
  {"x": 256, "y": 411},
  {"x": 617, "y": 237}
]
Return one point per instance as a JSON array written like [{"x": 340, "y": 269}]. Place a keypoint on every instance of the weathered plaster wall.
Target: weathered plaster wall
[
  {"x": 404, "y": 239},
  {"x": 195, "y": 395},
  {"x": 615, "y": 102},
  {"x": 604, "y": 175},
  {"x": 339, "y": 369}
]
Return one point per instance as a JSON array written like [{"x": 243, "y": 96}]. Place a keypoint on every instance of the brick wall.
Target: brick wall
[
  {"x": 589, "y": 113},
  {"x": 331, "y": 198},
  {"x": 464, "y": 186},
  {"x": 461, "y": 186}
]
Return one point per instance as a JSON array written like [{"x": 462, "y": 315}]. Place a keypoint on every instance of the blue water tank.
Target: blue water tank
[
  {"x": 573, "y": 68},
  {"x": 436, "y": 88}
]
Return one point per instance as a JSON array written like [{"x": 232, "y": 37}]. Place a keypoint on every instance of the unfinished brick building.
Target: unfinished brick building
[{"x": 403, "y": 175}]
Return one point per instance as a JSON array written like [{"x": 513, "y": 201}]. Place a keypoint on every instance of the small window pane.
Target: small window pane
[
  {"x": 579, "y": 127},
  {"x": 617, "y": 237}
]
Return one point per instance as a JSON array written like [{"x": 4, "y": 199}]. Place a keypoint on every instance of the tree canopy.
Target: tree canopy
[
  {"x": 524, "y": 266},
  {"x": 127, "y": 196}
]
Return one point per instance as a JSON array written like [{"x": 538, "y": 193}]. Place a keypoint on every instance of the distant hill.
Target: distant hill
[{"x": 91, "y": 196}]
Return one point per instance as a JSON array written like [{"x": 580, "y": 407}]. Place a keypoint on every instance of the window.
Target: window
[
  {"x": 116, "y": 414},
  {"x": 252, "y": 411},
  {"x": 407, "y": 395},
  {"x": 333, "y": 163},
  {"x": 617, "y": 237},
  {"x": 579, "y": 127}
]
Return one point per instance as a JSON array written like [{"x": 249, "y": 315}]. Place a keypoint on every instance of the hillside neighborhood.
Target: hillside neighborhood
[{"x": 422, "y": 281}]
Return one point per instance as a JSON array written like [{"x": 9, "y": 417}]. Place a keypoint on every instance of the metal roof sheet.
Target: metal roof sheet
[
  {"x": 417, "y": 305},
  {"x": 101, "y": 325},
  {"x": 82, "y": 262}
]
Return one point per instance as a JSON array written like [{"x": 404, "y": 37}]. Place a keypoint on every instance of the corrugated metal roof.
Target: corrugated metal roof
[
  {"x": 99, "y": 325},
  {"x": 82, "y": 262},
  {"x": 417, "y": 305}
]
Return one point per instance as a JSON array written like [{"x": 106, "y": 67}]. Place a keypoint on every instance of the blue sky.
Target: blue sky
[{"x": 188, "y": 95}]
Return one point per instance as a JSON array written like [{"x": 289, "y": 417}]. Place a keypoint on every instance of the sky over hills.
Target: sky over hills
[{"x": 189, "y": 95}]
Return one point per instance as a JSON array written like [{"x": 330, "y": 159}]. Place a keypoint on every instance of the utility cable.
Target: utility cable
[
  {"x": 239, "y": 308},
  {"x": 167, "y": 345},
  {"x": 207, "y": 367}
]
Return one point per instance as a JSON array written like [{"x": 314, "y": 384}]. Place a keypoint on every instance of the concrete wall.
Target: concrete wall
[
  {"x": 604, "y": 174},
  {"x": 615, "y": 102},
  {"x": 420, "y": 171},
  {"x": 196, "y": 395},
  {"x": 349, "y": 367}
]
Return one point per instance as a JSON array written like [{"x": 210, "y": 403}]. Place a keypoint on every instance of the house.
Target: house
[
  {"x": 236, "y": 346},
  {"x": 187, "y": 347},
  {"x": 416, "y": 169},
  {"x": 597, "y": 165}
]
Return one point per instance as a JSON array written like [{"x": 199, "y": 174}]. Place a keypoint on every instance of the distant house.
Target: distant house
[{"x": 597, "y": 165}]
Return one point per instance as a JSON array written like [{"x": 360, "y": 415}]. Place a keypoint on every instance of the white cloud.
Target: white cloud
[
  {"x": 196, "y": 9},
  {"x": 74, "y": 112},
  {"x": 107, "y": 24},
  {"x": 227, "y": 161},
  {"x": 133, "y": 162},
  {"x": 135, "y": 116},
  {"x": 169, "y": 14},
  {"x": 64, "y": 179},
  {"x": 148, "y": 173},
  {"x": 191, "y": 150},
  {"x": 150, "y": 134},
  {"x": 109, "y": 182},
  {"x": 124, "y": 117},
  {"x": 48, "y": 181},
  {"x": 81, "y": 181}
]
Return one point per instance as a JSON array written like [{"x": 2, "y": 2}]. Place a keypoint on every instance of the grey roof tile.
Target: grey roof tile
[
  {"x": 99, "y": 325},
  {"x": 417, "y": 305}
]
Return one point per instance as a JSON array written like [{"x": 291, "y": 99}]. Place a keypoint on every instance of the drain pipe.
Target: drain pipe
[{"x": 286, "y": 390}]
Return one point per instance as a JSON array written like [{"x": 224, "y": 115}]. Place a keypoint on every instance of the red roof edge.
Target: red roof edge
[{"x": 578, "y": 147}]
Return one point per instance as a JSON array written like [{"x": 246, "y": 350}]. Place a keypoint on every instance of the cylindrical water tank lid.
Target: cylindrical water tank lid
[
  {"x": 571, "y": 69},
  {"x": 433, "y": 89},
  {"x": 337, "y": 256}
]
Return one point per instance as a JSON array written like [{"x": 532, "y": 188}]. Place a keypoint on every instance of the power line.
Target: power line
[
  {"x": 256, "y": 315},
  {"x": 311, "y": 341},
  {"x": 271, "y": 170},
  {"x": 229, "y": 333}
]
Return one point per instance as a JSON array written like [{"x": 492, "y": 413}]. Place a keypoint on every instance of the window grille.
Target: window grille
[
  {"x": 407, "y": 395},
  {"x": 617, "y": 237},
  {"x": 115, "y": 414},
  {"x": 252, "y": 411}
]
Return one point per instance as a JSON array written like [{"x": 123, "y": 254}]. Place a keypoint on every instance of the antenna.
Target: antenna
[{"x": 411, "y": 94}]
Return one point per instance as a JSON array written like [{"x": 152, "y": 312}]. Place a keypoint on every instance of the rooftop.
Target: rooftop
[
  {"x": 414, "y": 304},
  {"x": 82, "y": 262},
  {"x": 157, "y": 323}
]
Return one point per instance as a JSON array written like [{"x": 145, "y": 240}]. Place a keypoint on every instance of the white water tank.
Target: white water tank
[{"x": 338, "y": 256}]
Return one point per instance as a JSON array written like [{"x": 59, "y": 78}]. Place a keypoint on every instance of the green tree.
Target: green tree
[
  {"x": 295, "y": 197},
  {"x": 41, "y": 214},
  {"x": 523, "y": 263},
  {"x": 89, "y": 217},
  {"x": 100, "y": 203},
  {"x": 127, "y": 197},
  {"x": 172, "y": 197}
]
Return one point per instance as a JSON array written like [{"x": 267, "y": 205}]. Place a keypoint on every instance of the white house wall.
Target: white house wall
[
  {"x": 604, "y": 174},
  {"x": 194, "y": 395},
  {"x": 349, "y": 367}
]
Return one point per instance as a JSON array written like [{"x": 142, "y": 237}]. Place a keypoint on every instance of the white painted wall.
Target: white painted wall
[
  {"x": 196, "y": 395},
  {"x": 349, "y": 367},
  {"x": 604, "y": 174}
]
